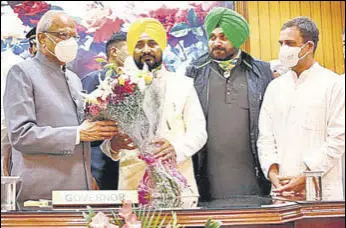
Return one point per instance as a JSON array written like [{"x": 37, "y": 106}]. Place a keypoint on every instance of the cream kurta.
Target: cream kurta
[
  {"x": 187, "y": 133},
  {"x": 302, "y": 124}
]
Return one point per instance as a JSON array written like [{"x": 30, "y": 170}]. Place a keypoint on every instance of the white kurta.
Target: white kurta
[
  {"x": 302, "y": 125},
  {"x": 187, "y": 133}
]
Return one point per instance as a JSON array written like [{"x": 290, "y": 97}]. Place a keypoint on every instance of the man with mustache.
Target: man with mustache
[
  {"x": 183, "y": 132},
  {"x": 230, "y": 84}
]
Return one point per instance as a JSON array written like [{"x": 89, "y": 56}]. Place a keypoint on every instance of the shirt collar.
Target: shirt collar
[
  {"x": 233, "y": 60},
  {"x": 305, "y": 74},
  {"x": 44, "y": 60},
  {"x": 225, "y": 67},
  {"x": 159, "y": 71}
]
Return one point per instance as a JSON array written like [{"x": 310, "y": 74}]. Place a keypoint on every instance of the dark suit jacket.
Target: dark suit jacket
[
  {"x": 104, "y": 169},
  {"x": 258, "y": 75}
]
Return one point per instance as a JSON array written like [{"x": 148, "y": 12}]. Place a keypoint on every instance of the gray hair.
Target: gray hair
[
  {"x": 46, "y": 22},
  {"x": 307, "y": 28}
]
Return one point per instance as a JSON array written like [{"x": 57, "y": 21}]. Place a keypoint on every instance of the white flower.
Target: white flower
[
  {"x": 103, "y": 91},
  {"x": 124, "y": 76},
  {"x": 141, "y": 84},
  {"x": 100, "y": 220},
  {"x": 114, "y": 82},
  {"x": 105, "y": 88}
]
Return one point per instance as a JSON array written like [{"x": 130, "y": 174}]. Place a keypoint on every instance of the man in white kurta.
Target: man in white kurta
[
  {"x": 302, "y": 120},
  {"x": 183, "y": 121}
]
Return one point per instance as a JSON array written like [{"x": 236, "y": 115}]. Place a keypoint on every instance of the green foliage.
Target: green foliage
[
  {"x": 117, "y": 221},
  {"x": 109, "y": 73},
  {"x": 110, "y": 66},
  {"x": 88, "y": 217},
  {"x": 149, "y": 219},
  {"x": 213, "y": 224},
  {"x": 100, "y": 60}
]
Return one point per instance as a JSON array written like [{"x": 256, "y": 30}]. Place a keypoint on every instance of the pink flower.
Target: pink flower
[
  {"x": 108, "y": 28},
  {"x": 30, "y": 8},
  {"x": 94, "y": 110},
  {"x": 100, "y": 220},
  {"x": 103, "y": 103},
  {"x": 131, "y": 220},
  {"x": 139, "y": 225},
  {"x": 148, "y": 158},
  {"x": 144, "y": 196},
  {"x": 126, "y": 211},
  {"x": 95, "y": 17}
]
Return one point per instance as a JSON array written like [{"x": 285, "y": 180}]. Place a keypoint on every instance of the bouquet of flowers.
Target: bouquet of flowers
[
  {"x": 135, "y": 101},
  {"x": 128, "y": 217}
]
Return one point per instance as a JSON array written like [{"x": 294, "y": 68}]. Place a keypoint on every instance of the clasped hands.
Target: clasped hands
[{"x": 288, "y": 185}]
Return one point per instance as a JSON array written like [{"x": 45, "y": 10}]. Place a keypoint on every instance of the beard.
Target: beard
[
  {"x": 151, "y": 64},
  {"x": 228, "y": 55}
]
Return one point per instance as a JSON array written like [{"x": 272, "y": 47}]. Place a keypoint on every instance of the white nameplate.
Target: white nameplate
[{"x": 93, "y": 197}]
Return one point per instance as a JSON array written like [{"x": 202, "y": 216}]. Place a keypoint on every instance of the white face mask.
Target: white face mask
[
  {"x": 289, "y": 56},
  {"x": 65, "y": 50}
]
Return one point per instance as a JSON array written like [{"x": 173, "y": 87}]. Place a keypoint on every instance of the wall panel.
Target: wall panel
[{"x": 266, "y": 19}]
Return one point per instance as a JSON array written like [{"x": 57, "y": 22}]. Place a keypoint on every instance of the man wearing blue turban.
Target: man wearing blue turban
[{"x": 230, "y": 84}]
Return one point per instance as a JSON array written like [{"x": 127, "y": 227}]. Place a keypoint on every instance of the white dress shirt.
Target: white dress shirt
[{"x": 302, "y": 125}]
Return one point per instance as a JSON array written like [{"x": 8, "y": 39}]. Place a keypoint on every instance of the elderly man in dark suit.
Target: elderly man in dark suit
[{"x": 44, "y": 115}]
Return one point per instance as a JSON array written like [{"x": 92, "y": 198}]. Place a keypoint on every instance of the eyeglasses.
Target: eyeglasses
[{"x": 63, "y": 35}]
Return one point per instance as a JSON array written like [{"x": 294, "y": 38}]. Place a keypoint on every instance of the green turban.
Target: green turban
[{"x": 234, "y": 26}]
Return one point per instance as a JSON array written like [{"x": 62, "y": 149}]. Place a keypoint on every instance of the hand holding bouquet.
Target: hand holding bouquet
[{"x": 135, "y": 100}]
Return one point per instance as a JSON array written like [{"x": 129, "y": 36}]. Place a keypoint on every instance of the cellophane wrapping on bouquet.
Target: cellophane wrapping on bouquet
[{"x": 135, "y": 100}]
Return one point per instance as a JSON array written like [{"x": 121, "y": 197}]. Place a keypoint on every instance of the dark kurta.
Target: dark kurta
[{"x": 230, "y": 162}]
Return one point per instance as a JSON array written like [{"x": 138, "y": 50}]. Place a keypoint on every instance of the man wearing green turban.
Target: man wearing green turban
[
  {"x": 230, "y": 85},
  {"x": 234, "y": 26}
]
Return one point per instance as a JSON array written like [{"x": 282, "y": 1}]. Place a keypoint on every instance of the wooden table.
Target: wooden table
[{"x": 286, "y": 215}]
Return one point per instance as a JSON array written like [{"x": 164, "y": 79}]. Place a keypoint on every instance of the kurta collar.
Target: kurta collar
[
  {"x": 44, "y": 60},
  {"x": 305, "y": 74}
]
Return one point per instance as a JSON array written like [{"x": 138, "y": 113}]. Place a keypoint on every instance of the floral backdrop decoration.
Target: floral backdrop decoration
[{"x": 98, "y": 20}]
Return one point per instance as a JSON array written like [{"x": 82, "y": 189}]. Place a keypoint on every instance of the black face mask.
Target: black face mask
[{"x": 228, "y": 57}]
